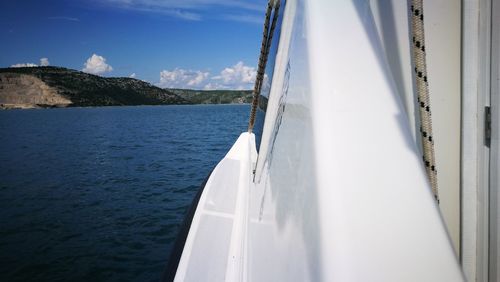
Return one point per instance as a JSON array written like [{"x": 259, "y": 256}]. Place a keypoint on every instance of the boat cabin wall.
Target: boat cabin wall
[
  {"x": 340, "y": 192},
  {"x": 443, "y": 46}
]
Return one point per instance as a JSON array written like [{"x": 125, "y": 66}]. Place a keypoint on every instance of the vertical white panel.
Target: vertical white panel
[
  {"x": 367, "y": 166},
  {"x": 494, "y": 240},
  {"x": 476, "y": 25},
  {"x": 442, "y": 31},
  {"x": 469, "y": 138}
]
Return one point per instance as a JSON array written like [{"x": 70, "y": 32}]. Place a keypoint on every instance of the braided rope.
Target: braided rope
[
  {"x": 264, "y": 54},
  {"x": 422, "y": 84}
]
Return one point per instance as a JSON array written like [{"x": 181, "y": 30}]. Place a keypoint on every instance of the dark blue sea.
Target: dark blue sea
[{"x": 98, "y": 194}]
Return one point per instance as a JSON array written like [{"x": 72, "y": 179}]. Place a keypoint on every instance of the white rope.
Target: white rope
[{"x": 422, "y": 84}]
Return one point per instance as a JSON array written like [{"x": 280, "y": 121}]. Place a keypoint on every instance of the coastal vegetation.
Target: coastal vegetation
[
  {"x": 32, "y": 87},
  {"x": 215, "y": 96}
]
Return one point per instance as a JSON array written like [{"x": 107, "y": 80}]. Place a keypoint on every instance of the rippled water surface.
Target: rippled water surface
[{"x": 97, "y": 194}]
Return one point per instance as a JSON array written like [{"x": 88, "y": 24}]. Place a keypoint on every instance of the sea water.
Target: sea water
[{"x": 98, "y": 194}]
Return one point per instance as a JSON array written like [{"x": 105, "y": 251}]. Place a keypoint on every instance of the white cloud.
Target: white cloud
[
  {"x": 132, "y": 75},
  {"x": 253, "y": 19},
  {"x": 248, "y": 5},
  {"x": 180, "y": 78},
  {"x": 44, "y": 62},
  {"x": 25, "y": 65},
  {"x": 64, "y": 18},
  {"x": 212, "y": 86},
  {"x": 96, "y": 65},
  {"x": 195, "y": 10},
  {"x": 238, "y": 76},
  {"x": 182, "y": 15}
]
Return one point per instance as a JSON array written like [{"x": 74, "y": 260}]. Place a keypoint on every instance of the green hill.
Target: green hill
[
  {"x": 60, "y": 87},
  {"x": 215, "y": 96}
]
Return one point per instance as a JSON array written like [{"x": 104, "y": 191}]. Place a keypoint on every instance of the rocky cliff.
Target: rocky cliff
[{"x": 26, "y": 91}]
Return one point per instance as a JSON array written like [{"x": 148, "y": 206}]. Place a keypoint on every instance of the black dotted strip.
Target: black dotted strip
[{"x": 418, "y": 44}]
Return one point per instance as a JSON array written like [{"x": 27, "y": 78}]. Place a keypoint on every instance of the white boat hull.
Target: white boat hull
[{"x": 339, "y": 192}]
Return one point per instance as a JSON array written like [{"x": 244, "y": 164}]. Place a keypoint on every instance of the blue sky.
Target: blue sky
[{"x": 211, "y": 44}]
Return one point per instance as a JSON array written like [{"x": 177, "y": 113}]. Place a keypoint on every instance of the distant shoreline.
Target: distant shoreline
[
  {"x": 56, "y": 87},
  {"x": 42, "y": 107}
]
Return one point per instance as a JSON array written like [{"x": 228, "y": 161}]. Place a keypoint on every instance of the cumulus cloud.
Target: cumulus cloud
[
  {"x": 181, "y": 78},
  {"x": 44, "y": 62},
  {"x": 238, "y": 77},
  {"x": 132, "y": 75},
  {"x": 213, "y": 86},
  {"x": 24, "y": 65},
  {"x": 96, "y": 65}
]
